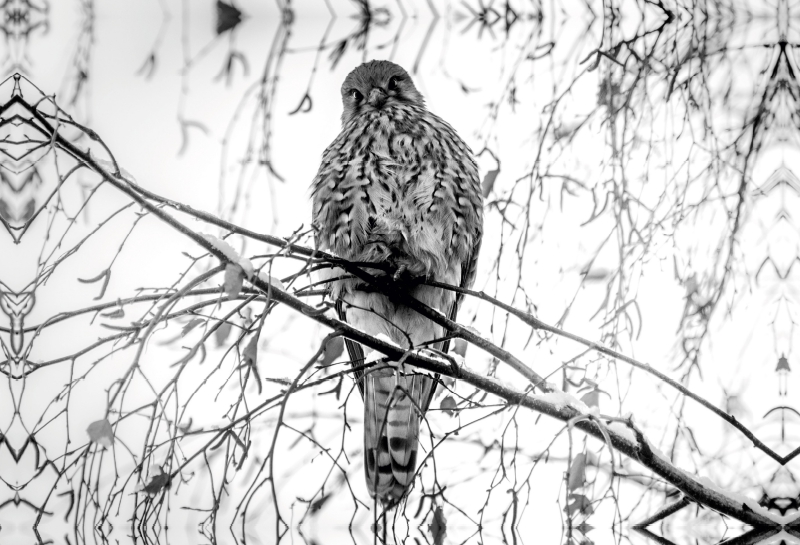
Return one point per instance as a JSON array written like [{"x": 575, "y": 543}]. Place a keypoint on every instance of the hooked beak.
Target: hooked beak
[{"x": 377, "y": 97}]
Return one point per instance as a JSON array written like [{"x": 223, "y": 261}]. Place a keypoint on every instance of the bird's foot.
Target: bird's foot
[{"x": 400, "y": 272}]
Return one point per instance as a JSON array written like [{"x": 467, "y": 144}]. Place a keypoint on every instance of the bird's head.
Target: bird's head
[{"x": 375, "y": 85}]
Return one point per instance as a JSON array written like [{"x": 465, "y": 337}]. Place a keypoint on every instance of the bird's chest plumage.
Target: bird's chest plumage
[{"x": 398, "y": 185}]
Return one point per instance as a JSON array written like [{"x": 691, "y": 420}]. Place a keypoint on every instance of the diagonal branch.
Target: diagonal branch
[{"x": 629, "y": 441}]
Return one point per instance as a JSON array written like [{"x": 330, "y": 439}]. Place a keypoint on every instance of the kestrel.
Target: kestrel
[{"x": 397, "y": 187}]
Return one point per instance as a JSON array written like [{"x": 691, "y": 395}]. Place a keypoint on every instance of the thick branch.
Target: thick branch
[{"x": 557, "y": 407}]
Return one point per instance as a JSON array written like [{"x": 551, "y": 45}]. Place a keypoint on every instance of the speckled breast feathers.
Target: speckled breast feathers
[{"x": 399, "y": 186}]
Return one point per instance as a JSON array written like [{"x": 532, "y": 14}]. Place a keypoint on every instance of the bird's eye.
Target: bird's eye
[
  {"x": 356, "y": 94},
  {"x": 393, "y": 83}
]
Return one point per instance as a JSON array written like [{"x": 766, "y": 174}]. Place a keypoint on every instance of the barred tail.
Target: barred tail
[{"x": 392, "y": 403}]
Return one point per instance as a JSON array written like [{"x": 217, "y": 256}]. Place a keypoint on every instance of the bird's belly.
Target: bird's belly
[{"x": 400, "y": 224}]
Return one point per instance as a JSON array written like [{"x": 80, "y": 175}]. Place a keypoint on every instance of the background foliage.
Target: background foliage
[{"x": 168, "y": 360}]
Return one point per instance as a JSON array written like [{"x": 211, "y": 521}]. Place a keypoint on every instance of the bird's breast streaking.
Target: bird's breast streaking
[{"x": 391, "y": 190}]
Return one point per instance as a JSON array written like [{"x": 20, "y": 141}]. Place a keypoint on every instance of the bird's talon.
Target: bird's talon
[{"x": 399, "y": 272}]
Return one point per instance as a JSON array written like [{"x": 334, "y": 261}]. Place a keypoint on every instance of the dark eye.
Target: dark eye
[
  {"x": 356, "y": 94},
  {"x": 393, "y": 83}
]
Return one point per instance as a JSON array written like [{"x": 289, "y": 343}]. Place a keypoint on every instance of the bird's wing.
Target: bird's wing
[
  {"x": 468, "y": 272},
  {"x": 354, "y": 349}
]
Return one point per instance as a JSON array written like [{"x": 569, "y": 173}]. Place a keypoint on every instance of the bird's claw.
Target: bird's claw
[{"x": 399, "y": 272}]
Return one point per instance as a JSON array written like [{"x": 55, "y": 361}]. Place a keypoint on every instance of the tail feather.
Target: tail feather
[
  {"x": 392, "y": 404},
  {"x": 378, "y": 461}
]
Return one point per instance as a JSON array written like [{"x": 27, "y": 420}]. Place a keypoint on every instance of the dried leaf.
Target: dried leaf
[
  {"x": 488, "y": 182},
  {"x": 186, "y": 428},
  {"x": 333, "y": 349},
  {"x": 579, "y": 504},
  {"x": 438, "y": 526},
  {"x": 577, "y": 472},
  {"x": 250, "y": 356},
  {"x": 448, "y": 405},
  {"x": 250, "y": 353},
  {"x": 591, "y": 398},
  {"x": 194, "y": 322},
  {"x": 100, "y": 432},
  {"x": 158, "y": 481},
  {"x": 228, "y": 17},
  {"x": 460, "y": 347},
  {"x": 317, "y": 504},
  {"x": 222, "y": 332},
  {"x": 119, "y": 313},
  {"x": 234, "y": 277}
]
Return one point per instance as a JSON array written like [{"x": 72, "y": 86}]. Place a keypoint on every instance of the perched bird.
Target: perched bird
[{"x": 397, "y": 187}]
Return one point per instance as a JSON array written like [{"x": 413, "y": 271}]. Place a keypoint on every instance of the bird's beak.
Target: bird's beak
[{"x": 377, "y": 97}]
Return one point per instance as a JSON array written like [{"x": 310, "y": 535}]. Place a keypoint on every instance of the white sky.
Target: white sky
[{"x": 138, "y": 118}]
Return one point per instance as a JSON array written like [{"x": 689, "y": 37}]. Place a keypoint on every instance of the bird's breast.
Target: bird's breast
[{"x": 391, "y": 187}]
